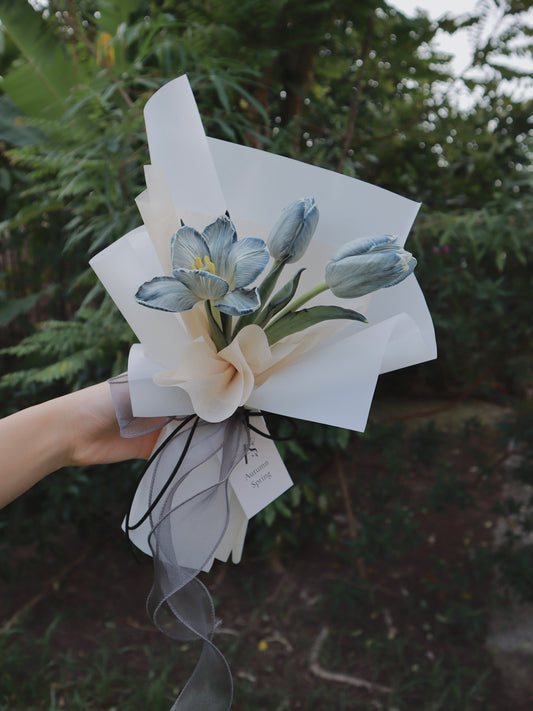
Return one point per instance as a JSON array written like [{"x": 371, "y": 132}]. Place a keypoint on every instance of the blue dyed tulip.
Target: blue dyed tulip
[
  {"x": 209, "y": 266},
  {"x": 368, "y": 264},
  {"x": 290, "y": 236}
]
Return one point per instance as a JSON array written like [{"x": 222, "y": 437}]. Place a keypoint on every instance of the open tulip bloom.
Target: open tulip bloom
[
  {"x": 212, "y": 266},
  {"x": 256, "y": 283}
]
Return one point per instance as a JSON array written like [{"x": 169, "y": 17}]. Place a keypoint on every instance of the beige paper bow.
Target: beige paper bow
[{"x": 219, "y": 383}]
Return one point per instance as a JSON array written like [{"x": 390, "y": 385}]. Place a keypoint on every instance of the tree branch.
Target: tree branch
[{"x": 317, "y": 670}]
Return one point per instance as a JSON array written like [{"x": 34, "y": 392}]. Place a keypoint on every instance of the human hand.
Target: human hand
[{"x": 94, "y": 432}]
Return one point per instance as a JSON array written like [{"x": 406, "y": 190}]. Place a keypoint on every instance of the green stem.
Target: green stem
[
  {"x": 215, "y": 327},
  {"x": 304, "y": 298},
  {"x": 226, "y": 322}
]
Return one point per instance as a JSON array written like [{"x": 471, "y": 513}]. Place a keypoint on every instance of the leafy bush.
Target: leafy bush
[{"x": 476, "y": 269}]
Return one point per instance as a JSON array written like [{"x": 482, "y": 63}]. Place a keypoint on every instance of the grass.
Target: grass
[{"x": 37, "y": 676}]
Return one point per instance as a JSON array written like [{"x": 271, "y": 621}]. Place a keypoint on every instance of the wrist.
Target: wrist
[
  {"x": 68, "y": 421},
  {"x": 61, "y": 427},
  {"x": 84, "y": 423}
]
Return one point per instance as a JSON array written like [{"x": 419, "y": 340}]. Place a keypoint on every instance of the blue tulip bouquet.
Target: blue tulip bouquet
[{"x": 216, "y": 268}]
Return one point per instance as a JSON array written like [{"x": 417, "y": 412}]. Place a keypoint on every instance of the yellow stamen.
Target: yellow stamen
[{"x": 206, "y": 264}]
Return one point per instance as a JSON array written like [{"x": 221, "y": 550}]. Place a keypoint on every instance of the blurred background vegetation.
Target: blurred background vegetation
[{"x": 356, "y": 87}]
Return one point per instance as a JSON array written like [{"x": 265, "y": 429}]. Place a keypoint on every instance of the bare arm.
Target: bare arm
[{"x": 76, "y": 429}]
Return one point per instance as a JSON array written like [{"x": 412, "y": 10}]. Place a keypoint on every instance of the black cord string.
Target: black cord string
[
  {"x": 154, "y": 456},
  {"x": 267, "y": 435}
]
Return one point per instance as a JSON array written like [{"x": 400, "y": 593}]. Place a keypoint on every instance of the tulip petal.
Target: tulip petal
[
  {"x": 166, "y": 294},
  {"x": 363, "y": 245},
  {"x": 403, "y": 271},
  {"x": 220, "y": 235},
  {"x": 202, "y": 284},
  {"x": 186, "y": 246},
  {"x": 239, "y": 302},
  {"x": 246, "y": 260},
  {"x": 284, "y": 229}
]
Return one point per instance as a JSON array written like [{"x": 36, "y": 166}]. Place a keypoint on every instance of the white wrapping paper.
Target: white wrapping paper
[{"x": 332, "y": 384}]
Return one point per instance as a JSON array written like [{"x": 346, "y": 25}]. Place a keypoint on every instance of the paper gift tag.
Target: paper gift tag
[
  {"x": 233, "y": 540},
  {"x": 261, "y": 476}
]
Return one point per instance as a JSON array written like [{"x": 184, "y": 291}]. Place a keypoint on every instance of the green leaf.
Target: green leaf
[
  {"x": 13, "y": 308},
  {"x": 343, "y": 437},
  {"x": 221, "y": 92},
  {"x": 265, "y": 289},
  {"x": 281, "y": 298},
  {"x": 296, "y": 321},
  {"x": 12, "y": 129},
  {"x": 270, "y": 515},
  {"x": 38, "y": 82},
  {"x": 115, "y": 12}
]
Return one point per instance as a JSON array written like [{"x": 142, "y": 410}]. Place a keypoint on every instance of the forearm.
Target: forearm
[
  {"x": 33, "y": 443},
  {"x": 74, "y": 430}
]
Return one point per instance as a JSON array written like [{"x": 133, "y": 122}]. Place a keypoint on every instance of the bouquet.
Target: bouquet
[{"x": 299, "y": 319}]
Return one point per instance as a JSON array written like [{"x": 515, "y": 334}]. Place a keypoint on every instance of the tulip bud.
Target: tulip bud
[
  {"x": 368, "y": 264},
  {"x": 290, "y": 236}
]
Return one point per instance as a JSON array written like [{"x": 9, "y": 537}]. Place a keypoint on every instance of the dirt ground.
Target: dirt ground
[{"x": 330, "y": 628}]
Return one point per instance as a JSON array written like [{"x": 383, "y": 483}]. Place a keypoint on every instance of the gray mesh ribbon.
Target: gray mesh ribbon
[{"x": 179, "y": 604}]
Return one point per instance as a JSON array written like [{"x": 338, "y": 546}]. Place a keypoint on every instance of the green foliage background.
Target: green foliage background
[{"x": 354, "y": 87}]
